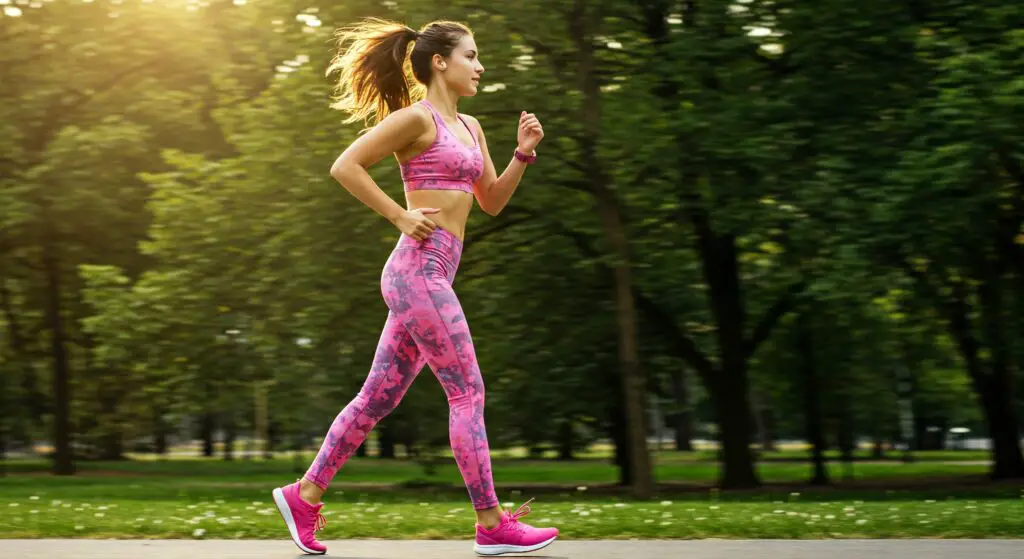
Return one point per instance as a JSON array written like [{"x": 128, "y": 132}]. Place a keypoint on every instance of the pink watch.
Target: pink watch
[{"x": 528, "y": 159}]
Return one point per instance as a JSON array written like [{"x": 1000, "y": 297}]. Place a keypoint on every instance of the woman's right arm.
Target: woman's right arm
[{"x": 396, "y": 131}]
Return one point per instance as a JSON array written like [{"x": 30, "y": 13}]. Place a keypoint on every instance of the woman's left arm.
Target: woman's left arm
[{"x": 493, "y": 192}]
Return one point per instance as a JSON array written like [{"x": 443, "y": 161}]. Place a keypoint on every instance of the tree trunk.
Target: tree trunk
[
  {"x": 271, "y": 438},
  {"x": 813, "y": 420},
  {"x": 160, "y": 439},
  {"x": 878, "y": 452},
  {"x": 230, "y": 435},
  {"x": 583, "y": 23},
  {"x": 207, "y": 426},
  {"x": 997, "y": 388},
  {"x": 681, "y": 420},
  {"x": 632, "y": 378},
  {"x": 386, "y": 440},
  {"x": 732, "y": 388},
  {"x": 733, "y": 409},
  {"x": 63, "y": 462},
  {"x": 1008, "y": 463},
  {"x": 991, "y": 379},
  {"x": 565, "y": 441},
  {"x": 618, "y": 435}
]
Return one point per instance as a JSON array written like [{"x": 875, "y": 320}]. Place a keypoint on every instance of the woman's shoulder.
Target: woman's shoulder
[
  {"x": 472, "y": 122},
  {"x": 415, "y": 115}
]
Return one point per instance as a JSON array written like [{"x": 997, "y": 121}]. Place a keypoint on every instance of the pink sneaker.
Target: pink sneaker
[
  {"x": 302, "y": 518},
  {"x": 513, "y": 536}
]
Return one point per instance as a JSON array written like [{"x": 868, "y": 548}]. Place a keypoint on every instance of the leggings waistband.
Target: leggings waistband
[{"x": 441, "y": 240}]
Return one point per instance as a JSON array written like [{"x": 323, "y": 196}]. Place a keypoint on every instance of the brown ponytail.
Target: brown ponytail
[{"x": 374, "y": 62}]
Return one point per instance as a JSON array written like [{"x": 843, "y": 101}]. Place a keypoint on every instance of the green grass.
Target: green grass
[
  {"x": 217, "y": 499},
  {"x": 211, "y": 512},
  {"x": 373, "y": 471}
]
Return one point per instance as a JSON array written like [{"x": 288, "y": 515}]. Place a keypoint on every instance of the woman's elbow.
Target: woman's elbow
[{"x": 341, "y": 169}]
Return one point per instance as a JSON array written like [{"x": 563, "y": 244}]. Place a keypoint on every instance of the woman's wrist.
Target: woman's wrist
[{"x": 525, "y": 157}]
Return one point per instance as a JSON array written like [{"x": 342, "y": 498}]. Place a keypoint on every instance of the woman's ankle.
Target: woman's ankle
[
  {"x": 489, "y": 518},
  {"x": 309, "y": 492}
]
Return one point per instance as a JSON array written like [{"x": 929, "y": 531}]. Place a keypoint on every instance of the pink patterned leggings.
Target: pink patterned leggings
[{"x": 425, "y": 325}]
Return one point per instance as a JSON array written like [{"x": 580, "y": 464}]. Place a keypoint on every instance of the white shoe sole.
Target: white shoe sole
[
  {"x": 286, "y": 514},
  {"x": 489, "y": 550}
]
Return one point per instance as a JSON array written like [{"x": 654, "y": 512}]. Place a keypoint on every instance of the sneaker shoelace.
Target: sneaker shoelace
[
  {"x": 513, "y": 517},
  {"x": 320, "y": 522}
]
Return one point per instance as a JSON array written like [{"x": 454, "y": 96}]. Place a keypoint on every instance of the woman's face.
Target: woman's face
[{"x": 462, "y": 70}]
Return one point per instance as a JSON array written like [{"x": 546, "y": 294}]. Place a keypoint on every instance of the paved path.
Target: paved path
[{"x": 367, "y": 549}]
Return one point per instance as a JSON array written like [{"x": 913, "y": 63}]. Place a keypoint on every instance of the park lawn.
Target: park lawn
[
  {"x": 217, "y": 499},
  {"x": 212, "y": 512},
  {"x": 394, "y": 472}
]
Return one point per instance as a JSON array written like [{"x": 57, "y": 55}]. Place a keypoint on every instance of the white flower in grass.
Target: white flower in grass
[
  {"x": 79, "y": 527},
  {"x": 861, "y": 522},
  {"x": 666, "y": 503},
  {"x": 198, "y": 533},
  {"x": 13, "y": 505},
  {"x": 649, "y": 521},
  {"x": 33, "y": 498},
  {"x": 100, "y": 515}
]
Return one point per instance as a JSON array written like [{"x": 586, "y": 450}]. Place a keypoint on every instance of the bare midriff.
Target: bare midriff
[{"x": 455, "y": 206}]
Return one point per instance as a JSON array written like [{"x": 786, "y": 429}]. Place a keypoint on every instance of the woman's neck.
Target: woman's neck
[{"x": 445, "y": 101}]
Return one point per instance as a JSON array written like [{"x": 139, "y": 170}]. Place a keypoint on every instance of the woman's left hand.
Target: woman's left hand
[{"x": 530, "y": 132}]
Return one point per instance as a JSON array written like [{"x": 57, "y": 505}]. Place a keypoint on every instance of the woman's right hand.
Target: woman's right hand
[{"x": 415, "y": 224}]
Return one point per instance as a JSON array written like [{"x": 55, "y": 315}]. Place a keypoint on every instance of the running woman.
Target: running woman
[{"x": 445, "y": 166}]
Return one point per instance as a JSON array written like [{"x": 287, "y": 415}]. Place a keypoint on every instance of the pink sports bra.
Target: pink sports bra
[{"x": 448, "y": 164}]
